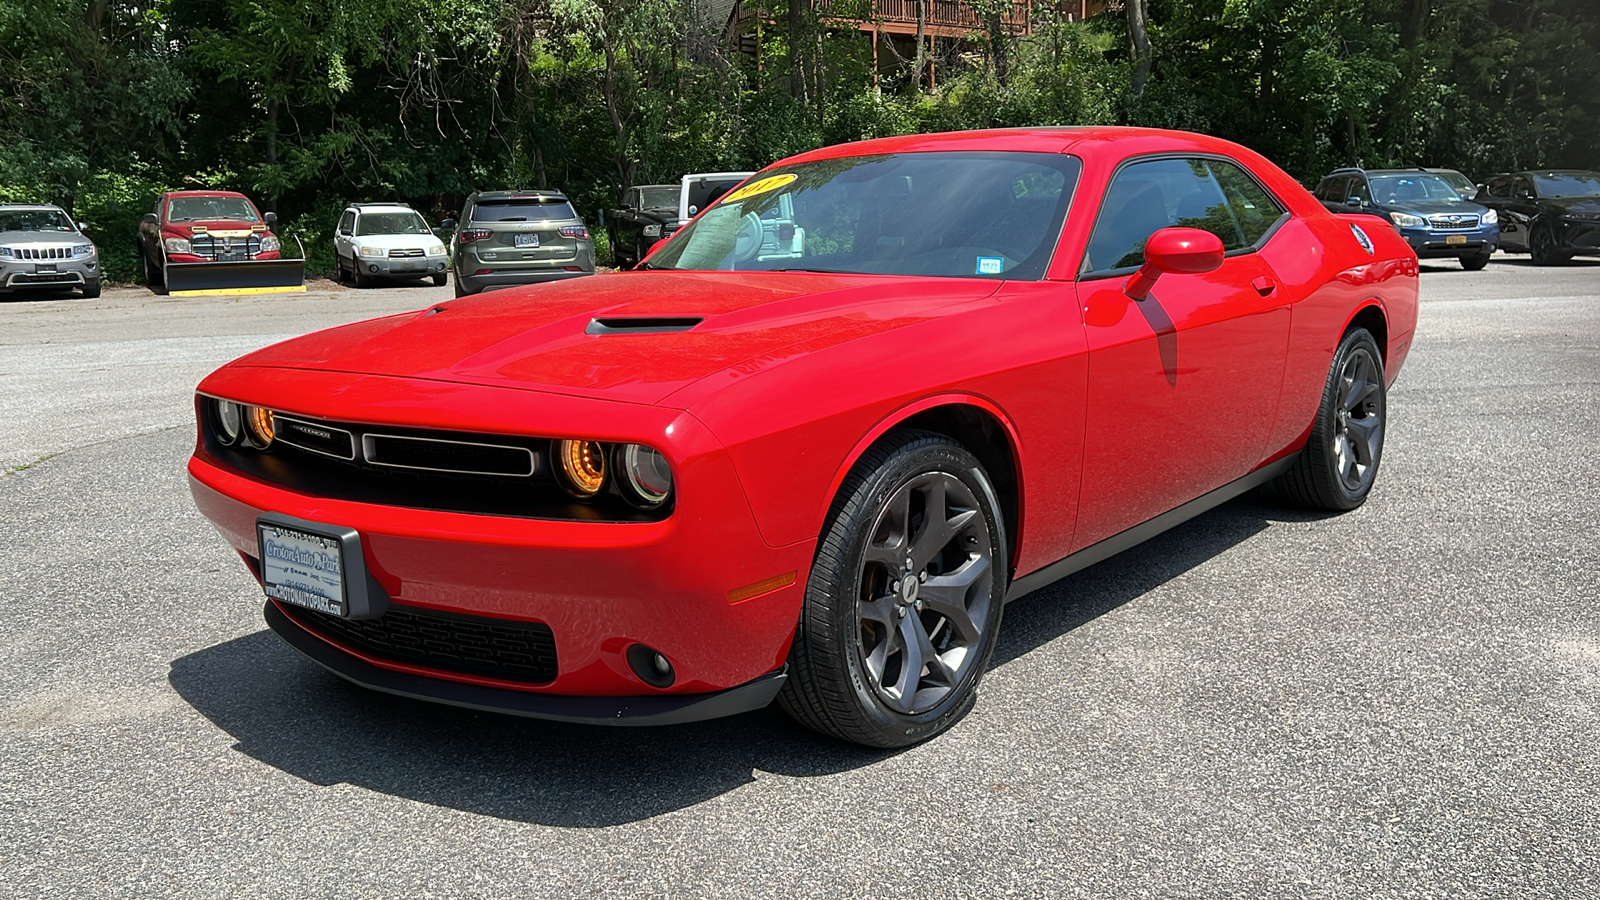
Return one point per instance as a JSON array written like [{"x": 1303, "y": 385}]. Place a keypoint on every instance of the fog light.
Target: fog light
[
  {"x": 372, "y": 268},
  {"x": 258, "y": 422},
  {"x": 582, "y": 465},
  {"x": 651, "y": 666}
]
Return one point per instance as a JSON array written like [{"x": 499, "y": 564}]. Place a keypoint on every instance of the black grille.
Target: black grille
[
  {"x": 42, "y": 252},
  {"x": 48, "y": 278},
  {"x": 471, "y": 645},
  {"x": 225, "y": 249},
  {"x": 449, "y": 456}
]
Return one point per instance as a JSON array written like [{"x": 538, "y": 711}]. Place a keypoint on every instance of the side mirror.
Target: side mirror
[
  {"x": 83, "y": 226},
  {"x": 1184, "y": 251},
  {"x": 448, "y": 224},
  {"x": 1354, "y": 202},
  {"x": 270, "y": 218},
  {"x": 150, "y": 219}
]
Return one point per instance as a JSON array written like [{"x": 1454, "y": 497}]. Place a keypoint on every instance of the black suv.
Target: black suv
[
  {"x": 1422, "y": 206},
  {"x": 508, "y": 238},
  {"x": 1553, "y": 215}
]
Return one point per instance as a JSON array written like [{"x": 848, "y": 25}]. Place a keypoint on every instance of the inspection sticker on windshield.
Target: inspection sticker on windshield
[
  {"x": 990, "y": 265},
  {"x": 758, "y": 187}
]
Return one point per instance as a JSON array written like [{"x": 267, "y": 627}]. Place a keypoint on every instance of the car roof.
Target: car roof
[
  {"x": 494, "y": 196},
  {"x": 1081, "y": 140},
  {"x": 32, "y": 206},
  {"x": 205, "y": 194},
  {"x": 377, "y": 207}
]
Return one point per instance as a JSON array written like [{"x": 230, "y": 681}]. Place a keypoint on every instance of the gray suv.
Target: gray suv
[
  {"x": 509, "y": 238},
  {"x": 41, "y": 248}
]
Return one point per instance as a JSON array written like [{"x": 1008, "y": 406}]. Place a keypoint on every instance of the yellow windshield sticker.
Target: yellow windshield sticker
[{"x": 758, "y": 187}]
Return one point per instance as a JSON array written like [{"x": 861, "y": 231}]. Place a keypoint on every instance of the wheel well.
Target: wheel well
[
  {"x": 1371, "y": 318},
  {"x": 985, "y": 438}
]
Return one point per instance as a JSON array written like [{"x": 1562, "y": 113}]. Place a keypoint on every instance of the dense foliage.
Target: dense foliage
[{"x": 307, "y": 105}]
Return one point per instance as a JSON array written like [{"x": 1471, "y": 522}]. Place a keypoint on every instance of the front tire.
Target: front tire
[
  {"x": 1339, "y": 463},
  {"x": 1542, "y": 247},
  {"x": 152, "y": 274},
  {"x": 1475, "y": 262},
  {"x": 91, "y": 289},
  {"x": 441, "y": 279},
  {"x": 903, "y": 603}
]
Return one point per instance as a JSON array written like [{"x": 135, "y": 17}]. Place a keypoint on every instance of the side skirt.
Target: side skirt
[{"x": 1138, "y": 534}]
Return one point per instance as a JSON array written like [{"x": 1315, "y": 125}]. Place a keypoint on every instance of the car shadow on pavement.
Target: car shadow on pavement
[{"x": 286, "y": 712}]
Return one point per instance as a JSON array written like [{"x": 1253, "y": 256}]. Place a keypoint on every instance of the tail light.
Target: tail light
[
  {"x": 575, "y": 231},
  {"x": 468, "y": 235}
]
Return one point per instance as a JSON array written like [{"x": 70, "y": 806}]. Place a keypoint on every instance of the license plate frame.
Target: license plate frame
[
  {"x": 45, "y": 269},
  {"x": 525, "y": 241},
  {"x": 1455, "y": 239},
  {"x": 316, "y": 566}
]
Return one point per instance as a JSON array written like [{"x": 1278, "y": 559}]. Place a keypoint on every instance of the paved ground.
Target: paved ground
[{"x": 1398, "y": 702}]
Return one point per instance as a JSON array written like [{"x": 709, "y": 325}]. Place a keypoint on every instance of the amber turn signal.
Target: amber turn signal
[
  {"x": 582, "y": 465},
  {"x": 258, "y": 423}
]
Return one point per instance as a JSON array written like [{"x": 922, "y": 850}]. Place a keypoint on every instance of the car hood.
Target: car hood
[
  {"x": 397, "y": 241},
  {"x": 224, "y": 227},
  {"x": 42, "y": 237},
  {"x": 572, "y": 337},
  {"x": 1582, "y": 205}
]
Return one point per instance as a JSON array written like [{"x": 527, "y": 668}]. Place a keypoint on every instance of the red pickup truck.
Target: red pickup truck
[{"x": 207, "y": 241}]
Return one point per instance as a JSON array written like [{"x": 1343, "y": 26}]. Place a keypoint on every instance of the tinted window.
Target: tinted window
[
  {"x": 957, "y": 214},
  {"x": 1499, "y": 187},
  {"x": 522, "y": 210},
  {"x": 1146, "y": 197},
  {"x": 1577, "y": 184},
  {"x": 1332, "y": 189},
  {"x": 1521, "y": 188},
  {"x": 391, "y": 223}
]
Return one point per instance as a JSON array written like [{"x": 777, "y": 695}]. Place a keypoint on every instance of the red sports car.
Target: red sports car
[{"x": 814, "y": 443}]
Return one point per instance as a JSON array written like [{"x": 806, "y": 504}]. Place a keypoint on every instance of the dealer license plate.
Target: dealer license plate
[
  {"x": 1455, "y": 239},
  {"x": 302, "y": 568},
  {"x": 44, "y": 269},
  {"x": 525, "y": 240}
]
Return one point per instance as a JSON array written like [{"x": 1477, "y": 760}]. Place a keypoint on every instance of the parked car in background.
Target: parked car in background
[
  {"x": 649, "y": 213},
  {"x": 41, "y": 248},
  {"x": 204, "y": 241},
  {"x": 814, "y": 444},
  {"x": 1464, "y": 186},
  {"x": 387, "y": 240},
  {"x": 1427, "y": 211},
  {"x": 701, "y": 189},
  {"x": 508, "y": 238},
  {"x": 1552, "y": 215}
]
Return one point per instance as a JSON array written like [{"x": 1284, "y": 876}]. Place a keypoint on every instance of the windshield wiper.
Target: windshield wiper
[{"x": 818, "y": 271}]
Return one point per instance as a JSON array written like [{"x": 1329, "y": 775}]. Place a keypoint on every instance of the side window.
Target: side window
[
  {"x": 1254, "y": 210},
  {"x": 1499, "y": 188},
  {"x": 1146, "y": 197},
  {"x": 1359, "y": 189},
  {"x": 1522, "y": 188},
  {"x": 1330, "y": 189},
  {"x": 347, "y": 223}
]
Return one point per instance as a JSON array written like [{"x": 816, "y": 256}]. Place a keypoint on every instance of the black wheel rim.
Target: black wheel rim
[
  {"x": 1358, "y": 414},
  {"x": 926, "y": 585}
]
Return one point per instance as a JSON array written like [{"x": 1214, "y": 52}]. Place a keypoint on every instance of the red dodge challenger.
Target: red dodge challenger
[{"x": 815, "y": 442}]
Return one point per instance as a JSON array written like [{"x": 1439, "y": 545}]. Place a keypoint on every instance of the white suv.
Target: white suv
[{"x": 387, "y": 240}]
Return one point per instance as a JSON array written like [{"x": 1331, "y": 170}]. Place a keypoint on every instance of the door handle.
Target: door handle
[{"x": 1264, "y": 286}]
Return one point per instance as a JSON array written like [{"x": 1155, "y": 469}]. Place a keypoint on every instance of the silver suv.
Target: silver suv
[
  {"x": 387, "y": 240},
  {"x": 41, "y": 248},
  {"x": 518, "y": 237}
]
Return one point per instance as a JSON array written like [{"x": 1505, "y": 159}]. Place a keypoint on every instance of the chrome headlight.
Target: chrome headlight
[
  {"x": 1407, "y": 220},
  {"x": 646, "y": 476},
  {"x": 79, "y": 251},
  {"x": 270, "y": 243},
  {"x": 435, "y": 249},
  {"x": 580, "y": 467},
  {"x": 1490, "y": 217},
  {"x": 373, "y": 252},
  {"x": 176, "y": 245},
  {"x": 652, "y": 231},
  {"x": 230, "y": 419},
  {"x": 7, "y": 253}
]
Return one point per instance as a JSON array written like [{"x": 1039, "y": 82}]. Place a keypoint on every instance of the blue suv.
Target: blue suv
[{"x": 1423, "y": 207}]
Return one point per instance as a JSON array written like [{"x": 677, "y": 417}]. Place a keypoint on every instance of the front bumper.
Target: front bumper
[
  {"x": 1579, "y": 236},
  {"x": 514, "y": 277},
  {"x": 61, "y": 273},
  {"x": 404, "y": 267},
  {"x": 600, "y": 587},
  {"x": 1450, "y": 244}
]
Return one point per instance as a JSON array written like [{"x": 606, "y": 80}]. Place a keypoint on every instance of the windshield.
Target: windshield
[
  {"x": 522, "y": 211},
  {"x": 391, "y": 223},
  {"x": 1575, "y": 184},
  {"x": 35, "y": 220},
  {"x": 1460, "y": 182},
  {"x": 190, "y": 209},
  {"x": 663, "y": 197},
  {"x": 1391, "y": 189},
  {"x": 958, "y": 214}
]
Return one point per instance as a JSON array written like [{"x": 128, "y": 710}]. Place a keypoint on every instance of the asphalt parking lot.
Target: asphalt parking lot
[{"x": 1403, "y": 701}]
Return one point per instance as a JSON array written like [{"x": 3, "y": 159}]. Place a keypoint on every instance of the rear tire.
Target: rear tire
[
  {"x": 1476, "y": 262},
  {"x": 461, "y": 291},
  {"x": 902, "y": 607},
  {"x": 91, "y": 289},
  {"x": 1336, "y": 468}
]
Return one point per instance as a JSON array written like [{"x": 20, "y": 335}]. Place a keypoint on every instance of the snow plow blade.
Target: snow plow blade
[{"x": 258, "y": 276}]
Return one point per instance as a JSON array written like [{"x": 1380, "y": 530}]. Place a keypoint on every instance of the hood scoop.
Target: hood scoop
[{"x": 642, "y": 324}]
